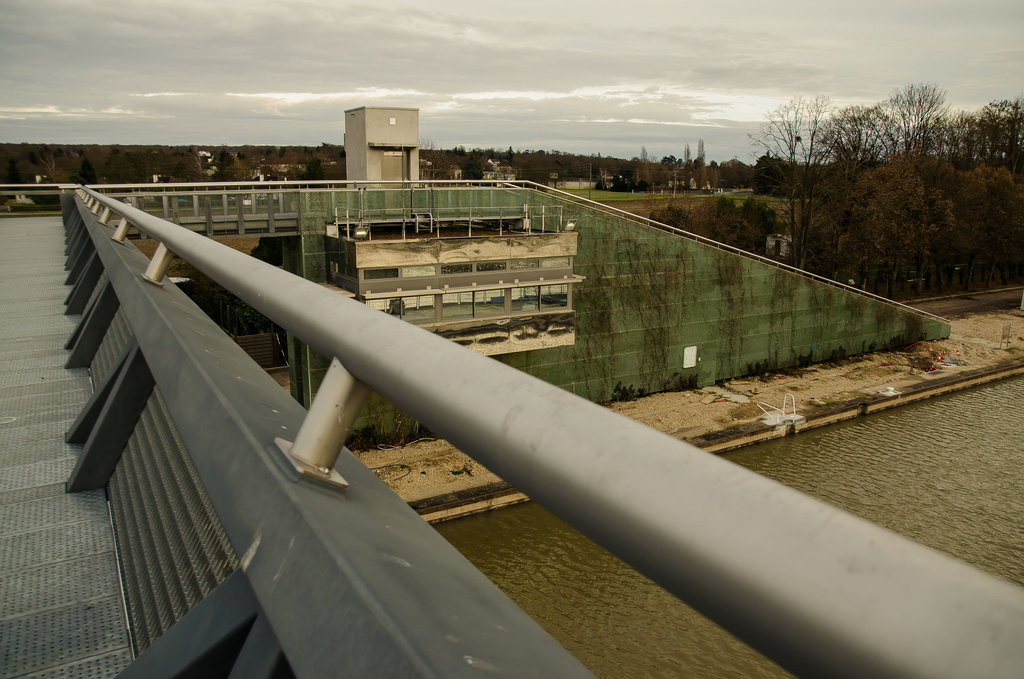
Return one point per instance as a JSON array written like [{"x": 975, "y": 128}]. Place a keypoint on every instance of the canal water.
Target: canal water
[{"x": 948, "y": 472}]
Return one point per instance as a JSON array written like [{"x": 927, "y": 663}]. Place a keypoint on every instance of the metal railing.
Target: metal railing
[
  {"x": 350, "y": 583},
  {"x": 818, "y": 590},
  {"x": 524, "y": 218}
]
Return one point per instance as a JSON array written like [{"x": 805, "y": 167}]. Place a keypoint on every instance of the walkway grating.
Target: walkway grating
[{"x": 61, "y": 612}]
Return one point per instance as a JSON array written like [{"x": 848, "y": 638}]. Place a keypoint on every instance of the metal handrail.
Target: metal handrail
[{"x": 818, "y": 590}]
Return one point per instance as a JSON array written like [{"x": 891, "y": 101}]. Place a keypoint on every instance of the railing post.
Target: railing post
[
  {"x": 158, "y": 265},
  {"x": 334, "y": 409},
  {"x": 122, "y": 231}
]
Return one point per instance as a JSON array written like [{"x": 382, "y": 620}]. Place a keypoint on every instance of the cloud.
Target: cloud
[
  {"x": 292, "y": 98},
  {"x": 531, "y": 74},
  {"x": 26, "y": 112}
]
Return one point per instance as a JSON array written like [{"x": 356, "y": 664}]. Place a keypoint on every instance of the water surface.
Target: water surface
[{"x": 946, "y": 472}]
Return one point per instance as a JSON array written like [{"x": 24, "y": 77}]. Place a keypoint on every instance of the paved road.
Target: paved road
[{"x": 974, "y": 303}]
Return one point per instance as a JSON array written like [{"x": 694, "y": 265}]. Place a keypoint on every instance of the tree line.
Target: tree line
[
  {"x": 905, "y": 191},
  {"x": 124, "y": 164},
  {"x": 130, "y": 164}
]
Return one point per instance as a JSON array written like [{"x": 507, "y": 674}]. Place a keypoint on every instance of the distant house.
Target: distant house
[{"x": 496, "y": 171}]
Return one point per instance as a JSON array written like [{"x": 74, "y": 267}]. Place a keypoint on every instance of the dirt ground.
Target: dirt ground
[{"x": 428, "y": 468}]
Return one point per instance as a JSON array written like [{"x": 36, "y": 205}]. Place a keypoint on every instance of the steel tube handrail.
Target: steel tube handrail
[{"x": 818, "y": 590}]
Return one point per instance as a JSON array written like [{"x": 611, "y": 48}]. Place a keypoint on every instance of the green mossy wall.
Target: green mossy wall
[{"x": 648, "y": 295}]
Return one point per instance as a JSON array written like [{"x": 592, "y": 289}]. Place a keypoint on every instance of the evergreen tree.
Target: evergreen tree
[
  {"x": 86, "y": 171},
  {"x": 13, "y": 174},
  {"x": 314, "y": 168}
]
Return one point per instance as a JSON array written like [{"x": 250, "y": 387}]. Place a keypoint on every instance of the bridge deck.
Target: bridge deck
[{"x": 61, "y": 612}]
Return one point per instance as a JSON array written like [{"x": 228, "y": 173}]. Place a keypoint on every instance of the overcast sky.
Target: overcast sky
[{"x": 587, "y": 77}]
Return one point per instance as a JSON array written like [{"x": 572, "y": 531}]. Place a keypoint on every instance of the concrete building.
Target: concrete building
[
  {"x": 599, "y": 302},
  {"x": 382, "y": 143}
]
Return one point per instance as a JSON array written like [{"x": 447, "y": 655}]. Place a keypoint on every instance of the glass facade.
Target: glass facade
[
  {"x": 554, "y": 296},
  {"x": 524, "y": 299},
  {"x": 419, "y": 309},
  {"x": 418, "y": 271},
  {"x": 441, "y": 306},
  {"x": 475, "y": 304},
  {"x": 488, "y": 303},
  {"x": 554, "y": 263},
  {"x": 389, "y": 305},
  {"x": 378, "y": 274},
  {"x": 456, "y": 305}
]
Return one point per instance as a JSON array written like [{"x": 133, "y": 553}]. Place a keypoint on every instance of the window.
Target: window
[
  {"x": 457, "y": 305},
  {"x": 465, "y": 267},
  {"x": 419, "y": 309},
  {"x": 554, "y": 263},
  {"x": 390, "y": 305},
  {"x": 524, "y": 299},
  {"x": 377, "y": 274},
  {"x": 520, "y": 264},
  {"x": 554, "y": 296},
  {"x": 418, "y": 271},
  {"x": 490, "y": 266},
  {"x": 489, "y": 303}
]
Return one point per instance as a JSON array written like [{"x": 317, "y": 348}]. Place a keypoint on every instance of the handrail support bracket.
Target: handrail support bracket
[
  {"x": 328, "y": 423},
  {"x": 121, "y": 232},
  {"x": 158, "y": 266}
]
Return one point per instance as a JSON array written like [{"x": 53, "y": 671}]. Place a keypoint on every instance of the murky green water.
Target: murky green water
[{"x": 948, "y": 472}]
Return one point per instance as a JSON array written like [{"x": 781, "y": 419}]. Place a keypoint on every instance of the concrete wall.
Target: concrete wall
[{"x": 648, "y": 295}]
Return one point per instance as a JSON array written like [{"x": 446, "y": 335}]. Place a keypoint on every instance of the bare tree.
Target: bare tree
[
  {"x": 645, "y": 166},
  {"x": 914, "y": 119},
  {"x": 855, "y": 136},
  {"x": 700, "y": 167},
  {"x": 963, "y": 140},
  {"x": 795, "y": 135},
  {"x": 1002, "y": 123},
  {"x": 49, "y": 163}
]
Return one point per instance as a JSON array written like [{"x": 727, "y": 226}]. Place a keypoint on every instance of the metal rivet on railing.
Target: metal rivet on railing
[
  {"x": 334, "y": 409},
  {"x": 158, "y": 265},
  {"x": 122, "y": 231}
]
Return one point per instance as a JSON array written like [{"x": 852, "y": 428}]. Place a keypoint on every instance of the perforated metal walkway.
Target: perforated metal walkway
[{"x": 61, "y": 612}]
